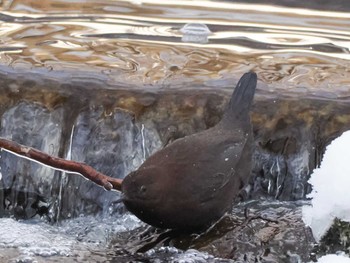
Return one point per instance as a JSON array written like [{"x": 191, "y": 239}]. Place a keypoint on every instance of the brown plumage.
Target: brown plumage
[{"x": 192, "y": 182}]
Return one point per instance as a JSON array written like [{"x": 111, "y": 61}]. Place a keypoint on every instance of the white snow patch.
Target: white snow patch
[
  {"x": 331, "y": 184},
  {"x": 332, "y": 258}
]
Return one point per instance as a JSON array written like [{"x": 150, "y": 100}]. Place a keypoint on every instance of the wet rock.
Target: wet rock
[
  {"x": 274, "y": 233},
  {"x": 268, "y": 232},
  {"x": 335, "y": 240}
]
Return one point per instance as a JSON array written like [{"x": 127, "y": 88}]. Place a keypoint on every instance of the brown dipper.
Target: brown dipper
[{"x": 193, "y": 182}]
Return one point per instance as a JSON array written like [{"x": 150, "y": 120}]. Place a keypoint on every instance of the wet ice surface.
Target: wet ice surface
[
  {"x": 80, "y": 240},
  {"x": 174, "y": 255},
  {"x": 76, "y": 238}
]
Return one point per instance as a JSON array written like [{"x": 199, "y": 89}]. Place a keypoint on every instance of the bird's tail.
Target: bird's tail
[{"x": 242, "y": 99}]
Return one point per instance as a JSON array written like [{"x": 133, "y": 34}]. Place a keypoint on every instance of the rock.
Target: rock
[{"x": 270, "y": 232}]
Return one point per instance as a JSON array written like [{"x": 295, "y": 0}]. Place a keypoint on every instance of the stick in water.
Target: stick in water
[{"x": 107, "y": 182}]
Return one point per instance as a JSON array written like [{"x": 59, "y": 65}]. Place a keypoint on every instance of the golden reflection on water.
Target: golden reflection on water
[{"x": 140, "y": 42}]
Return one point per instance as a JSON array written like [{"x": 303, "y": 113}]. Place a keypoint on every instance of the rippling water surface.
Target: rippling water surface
[
  {"x": 141, "y": 41},
  {"x": 166, "y": 44}
]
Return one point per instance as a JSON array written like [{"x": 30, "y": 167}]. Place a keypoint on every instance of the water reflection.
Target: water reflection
[{"x": 140, "y": 41}]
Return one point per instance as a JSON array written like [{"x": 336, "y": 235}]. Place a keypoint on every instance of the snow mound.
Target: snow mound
[{"x": 331, "y": 188}]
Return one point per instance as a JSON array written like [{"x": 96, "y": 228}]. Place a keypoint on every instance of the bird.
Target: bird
[{"x": 192, "y": 182}]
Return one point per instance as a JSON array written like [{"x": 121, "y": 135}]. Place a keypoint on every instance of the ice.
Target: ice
[
  {"x": 174, "y": 255},
  {"x": 193, "y": 256},
  {"x": 330, "y": 194},
  {"x": 34, "y": 238},
  {"x": 75, "y": 237},
  {"x": 28, "y": 187},
  {"x": 35, "y": 126},
  {"x": 332, "y": 258},
  {"x": 112, "y": 143},
  {"x": 284, "y": 176}
]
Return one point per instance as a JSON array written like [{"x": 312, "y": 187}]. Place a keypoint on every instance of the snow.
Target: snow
[
  {"x": 331, "y": 188},
  {"x": 332, "y": 258}
]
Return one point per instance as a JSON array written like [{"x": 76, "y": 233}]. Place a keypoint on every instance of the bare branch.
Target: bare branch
[{"x": 107, "y": 182}]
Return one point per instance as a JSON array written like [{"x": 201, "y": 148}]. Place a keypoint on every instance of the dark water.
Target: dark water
[{"x": 141, "y": 46}]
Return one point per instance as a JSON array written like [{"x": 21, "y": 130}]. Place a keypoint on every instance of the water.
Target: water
[
  {"x": 140, "y": 41},
  {"x": 110, "y": 82}
]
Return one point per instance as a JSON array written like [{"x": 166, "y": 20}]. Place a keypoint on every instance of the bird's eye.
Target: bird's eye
[{"x": 143, "y": 188}]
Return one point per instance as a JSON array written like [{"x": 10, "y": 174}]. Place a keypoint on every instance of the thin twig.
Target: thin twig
[{"x": 107, "y": 182}]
